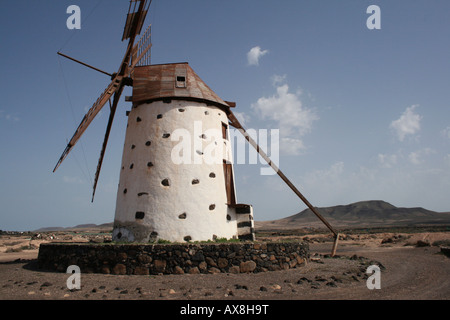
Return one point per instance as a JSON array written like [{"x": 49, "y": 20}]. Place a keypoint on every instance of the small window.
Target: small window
[
  {"x": 140, "y": 215},
  {"x": 181, "y": 82}
]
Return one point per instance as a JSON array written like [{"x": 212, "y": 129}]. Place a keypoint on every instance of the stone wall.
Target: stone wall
[{"x": 144, "y": 259}]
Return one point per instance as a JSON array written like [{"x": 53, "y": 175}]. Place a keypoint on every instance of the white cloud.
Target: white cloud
[
  {"x": 417, "y": 156},
  {"x": 293, "y": 120},
  {"x": 387, "y": 161},
  {"x": 242, "y": 118},
  {"x": 333, "y": 173},
  {"x": 447, "y": 159},
  {"x": 8, "y": 116},
  {"x": 278, "y": 80},
  {"x": 254, "y": 55},
  {"x": 446, "y": 132},
  {"x": 407, "y": 124}
]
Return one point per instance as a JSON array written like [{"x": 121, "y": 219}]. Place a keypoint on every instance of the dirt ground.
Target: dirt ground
[{"x": 412, "y": 268}]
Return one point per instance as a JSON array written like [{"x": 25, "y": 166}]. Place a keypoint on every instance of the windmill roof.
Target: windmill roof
[{"x": 172, "y": 81}]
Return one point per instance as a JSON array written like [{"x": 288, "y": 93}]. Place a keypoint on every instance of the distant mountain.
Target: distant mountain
[
  {"x": 80, "y": 227},
  {"x": 360, "y": 214}
]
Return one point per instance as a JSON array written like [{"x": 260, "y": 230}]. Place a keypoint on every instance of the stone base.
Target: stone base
[{"x": 145, "y": 259}]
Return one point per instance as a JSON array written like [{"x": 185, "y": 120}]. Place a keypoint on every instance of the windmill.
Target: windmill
[{"x": 159, "y": 198}]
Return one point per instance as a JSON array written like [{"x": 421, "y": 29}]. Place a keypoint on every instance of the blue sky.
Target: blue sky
[{"x": 363, "y": 114}]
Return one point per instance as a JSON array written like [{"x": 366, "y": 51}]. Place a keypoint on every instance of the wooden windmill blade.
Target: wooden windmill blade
[
  {"x": 135, "y": 19},
  {"x": 105, "y": 141},
  {"x": 112, "y": 88},
  {"x": 137, "y": 13},
  {"x": 133, "y": 27}
]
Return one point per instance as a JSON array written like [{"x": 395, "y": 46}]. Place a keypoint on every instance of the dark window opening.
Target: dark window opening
[
  {"x": 182, "y": 216},
  {"x": 229, "y": 183},
  {"x": 166, "y": 135},
  {"x": 148, "y": 143},
  {"x": 138, "y": 119},
  {"x": 180, "y": 82},
  {"x": 224, "y": 130},
  {"x": 212, "y": 175},
  {"x": 149, "y": 164},
  {"x": 187, "y": 238},
  {"x": 212, "y": 207},
  {"x": 159, "y": 116},
  {"x": 140, "y": 215},
  {"x": 165, "y": 182},
  {"x": 195, "y": 181}
]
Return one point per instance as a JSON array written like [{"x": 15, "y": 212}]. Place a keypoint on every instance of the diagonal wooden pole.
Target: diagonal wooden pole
[{"x": 235, "y": 123}]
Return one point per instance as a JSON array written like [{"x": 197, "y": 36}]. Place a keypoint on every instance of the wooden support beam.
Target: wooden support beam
[{"x": 235, "y": 123}]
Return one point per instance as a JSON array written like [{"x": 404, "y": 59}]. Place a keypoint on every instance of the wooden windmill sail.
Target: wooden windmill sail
[
  {"x": 134, "y": 54},
  {"x": 165, "y": 91}
]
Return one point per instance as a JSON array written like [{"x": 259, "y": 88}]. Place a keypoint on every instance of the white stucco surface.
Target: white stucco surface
[{"x": 148, "y": 210}]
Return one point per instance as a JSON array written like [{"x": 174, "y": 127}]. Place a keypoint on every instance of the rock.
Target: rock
[
  {"x": 247, "y": 266},
  {"x": 160, "y": 265},
  {"x": 263, "y": 288},
  {"x": 446, "y": 251},
  {"x": 171, "y": 291},
  {"x": 320, "y": 279},
  {"x": 194, "y": 270},
  {"x": 422, "y": 243},
  {"x": 234, "y": 269},
  {"x": 222, "y": 263},
  {"x": 202, "y": 266},
  {"x": 122, "y": 256},
  {"x": 142, "y": 271},
  {"x": 238, "y": 286},
  {"x": 276, "y": 287},
  {"x": 144, "y": 258},
  {"x": 213, "y": 270},
  {"x": 198, "y": 256},
  {"x": 105, "y": 270},
  {"x": 302, "y": 280},
  {"x": 211, "y": 261},
  {"x": 119, "y": 269},
  {"x": 178, "y": 270},
  {"x": 46, "y": 284}
]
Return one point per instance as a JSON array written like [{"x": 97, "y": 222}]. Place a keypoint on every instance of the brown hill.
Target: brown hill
[{"x": 360, "y": 214}]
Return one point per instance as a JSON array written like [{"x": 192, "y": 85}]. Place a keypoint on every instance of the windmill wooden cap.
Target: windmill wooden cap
[{"x": 172, "y": 81}]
